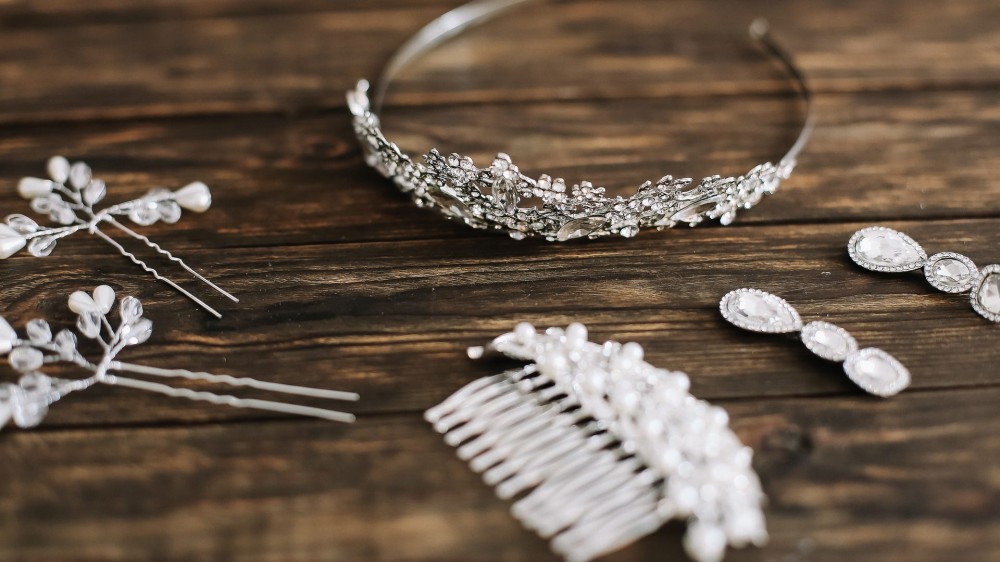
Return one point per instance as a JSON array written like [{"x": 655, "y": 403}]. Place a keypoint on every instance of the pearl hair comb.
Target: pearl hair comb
[
  {"x": 27, "y": 402},
  {"x": 68, "y": 198},
  {"x": 598, "y": 448}
]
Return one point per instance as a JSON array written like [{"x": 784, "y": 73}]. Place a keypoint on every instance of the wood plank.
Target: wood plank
[
  {"x": 909, "y": 479},
  {"x": 159, "y": 67},
  {"x": 282, "y": 180},
  {"x": 67, "y": 13},
  {"x": 392, "y": 320}
]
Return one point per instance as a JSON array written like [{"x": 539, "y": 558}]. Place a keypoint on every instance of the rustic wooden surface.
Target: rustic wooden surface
[{"x": 345, "y": 284}]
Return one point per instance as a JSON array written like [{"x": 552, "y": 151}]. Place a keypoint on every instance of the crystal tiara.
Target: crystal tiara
[{"x": 490, "y": 197}]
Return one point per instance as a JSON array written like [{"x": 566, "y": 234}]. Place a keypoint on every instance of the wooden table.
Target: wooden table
[{"x": 345, "y": 284}]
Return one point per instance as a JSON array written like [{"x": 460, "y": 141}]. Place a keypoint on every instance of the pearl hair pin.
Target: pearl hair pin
[
  {"x": 68, "y": 198},
  {"x": 599, "y": 448},
  {"x": 872, "y": 369},
  {"x": 27, "y": 402},
  {"x": 885, "y": 250}
]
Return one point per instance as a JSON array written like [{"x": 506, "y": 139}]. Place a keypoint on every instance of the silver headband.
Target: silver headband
[{"x": 489, "y": 197}]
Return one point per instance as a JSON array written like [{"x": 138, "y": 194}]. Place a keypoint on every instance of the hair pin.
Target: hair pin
[
  {"x": 601, "y": 448},
  {"x": 68, "y": 198},
  {"x": 872, "y": 369},
  {"x": 882, "y": 249},
  {"x": 27, "y": 402}
]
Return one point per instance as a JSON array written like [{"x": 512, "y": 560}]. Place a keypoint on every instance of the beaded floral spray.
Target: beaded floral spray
[
  {"x": 27, "y": 402},
  {"x": 599, "y": 448},
  {"x": 68, "y": 198}
]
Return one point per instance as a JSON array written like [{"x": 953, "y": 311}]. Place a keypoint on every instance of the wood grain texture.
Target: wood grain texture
[
  {"x": 345, "y": 284},
  {"x": 388, "y": 488},
  {"x": 220, "y": 63}
]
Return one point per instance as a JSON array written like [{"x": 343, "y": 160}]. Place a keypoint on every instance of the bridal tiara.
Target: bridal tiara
[{"x": 490, "y": 197}]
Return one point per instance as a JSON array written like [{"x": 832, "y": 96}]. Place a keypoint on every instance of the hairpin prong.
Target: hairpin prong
[
  {"x": 171, "y": 257},
  {"x": 68, "y": 198},
  {"x": 28, "y": 401},
  {"x": 232, "y": 401},
  {"x": 235, "y": 381}
]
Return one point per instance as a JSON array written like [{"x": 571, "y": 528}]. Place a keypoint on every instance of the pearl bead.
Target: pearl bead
[
  {"x": 29, "y": 188},
  {"x": 11, "y": 241},
  {"x": 194, "y": 197},
  {"x": 58, "y": 169},
  {"x": 80, "y": 302}
]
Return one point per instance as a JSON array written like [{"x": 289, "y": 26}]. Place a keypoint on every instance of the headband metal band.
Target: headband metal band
[{"x": 489, "y": 197}]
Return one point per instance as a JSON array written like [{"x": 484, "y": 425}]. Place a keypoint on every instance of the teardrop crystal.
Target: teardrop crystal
[
  {"x": 758, "y": 311},
  {"x": 883, "y": 249},
  {"x": 877, "y": 372},
  {"x": 828, "y": 341},
  {"x": 986, "y": 295},
  {"x": 145, "y": 214},
  {"x": 578, "y": 228},
  {"x": 66, "y": 342},
  {"x": 130, "y": 309},
  {"x": 94, "y": 192},
  {"x": 170, "y": 212},
  {"x": 951, "y": 273},
  {"x": 89, "y": 324},
  {"x": 25, "y": 359},
  {"x": 38, "y": 331},
  {"x": 138, "y": 332},
  {"x": 22, "y": 224},
  {"x": 7, "y": 336},
  {"x": 42, "y": 246}
]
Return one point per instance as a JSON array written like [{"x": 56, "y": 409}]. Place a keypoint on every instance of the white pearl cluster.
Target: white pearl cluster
[{"x": 667, "y": 454}]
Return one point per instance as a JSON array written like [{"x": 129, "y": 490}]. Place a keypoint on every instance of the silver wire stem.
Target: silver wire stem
[
  {"x": 227, "y": 400},
  {"x": 121, "y": 249},
  {"x": 234, "y": 381},
  {"x": 170, "y": 256}
]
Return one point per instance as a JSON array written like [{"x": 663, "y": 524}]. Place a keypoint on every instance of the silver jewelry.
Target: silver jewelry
[
  {"x": 878, "y": 248},
  {"x": 489, "y": 197},
  {"x": 602, "y": 448},
  {"x": 872, "y": 369},
  {"x": 68, "y": 198},
  {"x": 27, "y": 402}
]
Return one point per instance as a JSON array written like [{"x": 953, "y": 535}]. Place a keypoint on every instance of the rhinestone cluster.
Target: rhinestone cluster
[
  {"x": 490, "y": 197},
  {"x": 872, "y": 369},
  {"x": 603, "y": 448},
  {"x": 878, "y": 248}
]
